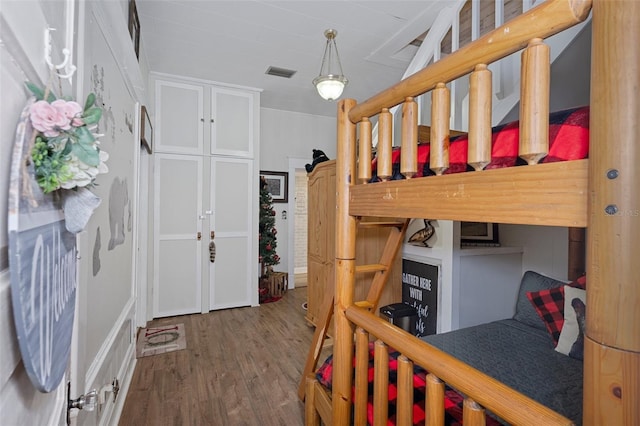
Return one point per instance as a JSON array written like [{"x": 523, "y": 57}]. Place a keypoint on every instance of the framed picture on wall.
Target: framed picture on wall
[
  {"x": 146, "y": 130},
  {"x": 277, "y": 185},
  {"x": 479, "y": 234},
  {"x": 134, "y": 27}
]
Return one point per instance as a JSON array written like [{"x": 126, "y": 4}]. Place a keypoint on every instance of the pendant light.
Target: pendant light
[{"x": 330, "y": 83}]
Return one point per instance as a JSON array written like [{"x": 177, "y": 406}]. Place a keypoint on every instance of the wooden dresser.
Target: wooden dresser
[{"x": 321, "y": 246}]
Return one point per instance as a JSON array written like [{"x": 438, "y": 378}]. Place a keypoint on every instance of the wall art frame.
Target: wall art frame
[
  {"x": 146, "y": 130},
  {"x": 277, "y": 185},
  {"x": 134, "y": 27}
]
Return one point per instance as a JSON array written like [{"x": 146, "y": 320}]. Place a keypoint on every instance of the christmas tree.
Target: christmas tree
[{"x": 267, "y": 230}]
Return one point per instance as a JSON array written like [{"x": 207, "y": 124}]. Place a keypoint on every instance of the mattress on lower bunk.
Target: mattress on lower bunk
[
  {"x": 568, "y": 140},
  {"x": 521, "y": 357}
]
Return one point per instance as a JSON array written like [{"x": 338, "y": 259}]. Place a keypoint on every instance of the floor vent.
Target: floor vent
[{"x": 280, "y": 72}]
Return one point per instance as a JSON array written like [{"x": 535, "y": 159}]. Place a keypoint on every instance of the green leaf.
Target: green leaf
[
  {"x": 67, "y": 148},
  {"x": 91, "y": 99},
  {"x": 86, "y": 153},
  {"x": 92, "y": 115},
  {"x": 84, "y": 136},
  {"x": 37, "y": 92}
]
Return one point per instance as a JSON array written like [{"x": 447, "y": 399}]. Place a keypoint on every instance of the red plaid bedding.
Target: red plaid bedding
[
  {"x": 452, "y": 403},
  {"x": 568, "y": 140}
]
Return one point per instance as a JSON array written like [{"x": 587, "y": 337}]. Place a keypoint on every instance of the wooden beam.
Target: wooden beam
[
  {"x": 553, "y": 194},
  {"x": 612, "y": 346}
]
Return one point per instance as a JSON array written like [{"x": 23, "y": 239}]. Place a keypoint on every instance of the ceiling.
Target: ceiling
[{"x": 236, "y": 41}]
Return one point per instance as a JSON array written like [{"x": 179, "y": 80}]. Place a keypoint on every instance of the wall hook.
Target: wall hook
[{"x": 70, "y": 68}]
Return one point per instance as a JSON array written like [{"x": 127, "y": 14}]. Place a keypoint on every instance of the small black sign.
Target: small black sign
[{"x": 420, "y": 290}]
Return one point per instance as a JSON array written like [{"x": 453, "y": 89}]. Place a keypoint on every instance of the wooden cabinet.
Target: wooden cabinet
[{"x": 321, "y": 246}]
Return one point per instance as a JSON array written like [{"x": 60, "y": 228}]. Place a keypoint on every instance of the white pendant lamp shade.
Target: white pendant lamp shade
[
  {"x": 328, "y": 84},
  {"x": 330, "y": 87}
]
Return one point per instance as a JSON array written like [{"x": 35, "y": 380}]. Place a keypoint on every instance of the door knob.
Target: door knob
[
  {"x": 199, "y": 236},
  {"x": 213, "y": 234}
]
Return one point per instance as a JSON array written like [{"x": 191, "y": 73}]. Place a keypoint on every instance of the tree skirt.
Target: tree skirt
[{"x": 158, "y": 340}]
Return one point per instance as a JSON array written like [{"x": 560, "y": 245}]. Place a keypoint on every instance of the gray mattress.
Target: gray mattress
[{"x": 521, "y": 357}]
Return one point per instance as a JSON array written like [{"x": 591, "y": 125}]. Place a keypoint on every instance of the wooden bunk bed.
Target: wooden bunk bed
[{"x": 598, "y": 193}]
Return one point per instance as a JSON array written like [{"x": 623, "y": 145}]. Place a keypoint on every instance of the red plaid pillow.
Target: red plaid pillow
[{"x": 549, "y": 304}]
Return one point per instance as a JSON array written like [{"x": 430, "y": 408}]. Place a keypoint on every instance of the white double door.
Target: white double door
[
  {"x": 202, "y": 201},
  {"x": 205, "y": 194}
]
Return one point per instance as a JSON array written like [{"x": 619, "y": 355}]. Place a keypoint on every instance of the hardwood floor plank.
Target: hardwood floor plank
[{"x": 241, "y": 367}]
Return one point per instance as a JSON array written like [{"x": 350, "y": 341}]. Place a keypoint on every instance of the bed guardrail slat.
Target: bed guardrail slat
[
  {"x": 472, "y": 413},
  {"x": 434, "y": 403},
  {"x": 364, "y": 151},
  {"x": 362, "y": 380},
  {"x": 404, "y": 412},
  {"x": 409, "y": 153},
  {"x": 534, "y": 102},
  {"x": 380, "y": 384},
  {"x": 440, "y": 112},
  {"x": 385, "y": 132},
  {"x": 480, "y": 92}
]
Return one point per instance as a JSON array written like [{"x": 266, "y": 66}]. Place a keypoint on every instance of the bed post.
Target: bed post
[
  {"x": 612, "y": 343},
  {"x": 344, "y": 266}
]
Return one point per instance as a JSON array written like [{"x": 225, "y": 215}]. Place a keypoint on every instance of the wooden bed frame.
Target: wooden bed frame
[{"x": 599, "y": 193}]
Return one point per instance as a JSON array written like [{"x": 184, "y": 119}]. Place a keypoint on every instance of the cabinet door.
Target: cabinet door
[
  {"x": 320, "y": 237},
  {"x": 177, "y": 248},
  {"x": 233, "y": 122},
  {"x": 180, "y": 118},
  {"x": 232, "y": 222}
]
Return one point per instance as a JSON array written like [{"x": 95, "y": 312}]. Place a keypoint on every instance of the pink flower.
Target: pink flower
[
  {"x": 72, "y": 110},
  {"x": 48, "y": 119}
]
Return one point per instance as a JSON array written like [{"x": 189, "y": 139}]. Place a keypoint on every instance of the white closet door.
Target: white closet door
[
  {"x": 232, "y": 122},
  {"x": 180, "y": 118},
  {"x": 178, "y": 247},
  {"x": 232, "y": 193}
]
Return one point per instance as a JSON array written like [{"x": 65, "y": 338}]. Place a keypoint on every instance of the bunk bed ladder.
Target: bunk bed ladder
[{"x": 381, "y": 271}]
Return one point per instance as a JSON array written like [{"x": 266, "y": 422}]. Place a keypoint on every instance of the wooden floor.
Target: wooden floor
[{"x": 241, "y": 367}]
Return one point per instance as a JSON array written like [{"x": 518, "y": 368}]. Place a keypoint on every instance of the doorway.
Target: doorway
[{"x": 297, "y": 244}]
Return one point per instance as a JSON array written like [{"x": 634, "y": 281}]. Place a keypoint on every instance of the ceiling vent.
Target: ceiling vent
[{"x": 280, "y": 72}]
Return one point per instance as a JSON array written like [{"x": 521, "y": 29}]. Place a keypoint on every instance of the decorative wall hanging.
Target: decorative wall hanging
[
  {"x": 146, "y": 130},
  {"x": 134, "y": 27},
  {"x": 277, "y": 185},
  {"x": 55, "y": 156},
  {"x": 65, "y": 153}
]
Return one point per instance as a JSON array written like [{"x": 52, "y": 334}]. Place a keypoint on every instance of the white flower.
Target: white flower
[{"x": 83, "y": 174}]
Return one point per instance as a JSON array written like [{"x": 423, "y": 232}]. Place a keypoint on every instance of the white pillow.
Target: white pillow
[{"x": 571, "y": 341}]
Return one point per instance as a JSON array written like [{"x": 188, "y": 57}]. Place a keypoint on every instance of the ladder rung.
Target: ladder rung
[
  {"x": 392, "y": 224},
  {"x": 364, "y": 304},
  {"x": 374, "y": 267}
]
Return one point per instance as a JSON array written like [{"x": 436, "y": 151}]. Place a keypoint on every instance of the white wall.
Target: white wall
[
  {"x": 545, "y": 248},
  {"x": 285, "y": 135}
]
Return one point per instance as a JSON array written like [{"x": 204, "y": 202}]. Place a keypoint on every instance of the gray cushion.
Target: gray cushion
[
  {"x": 521, "y": 357},
  {"x": 525, "y": 312}
]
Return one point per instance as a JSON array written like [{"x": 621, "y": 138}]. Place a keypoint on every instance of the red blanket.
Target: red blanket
[
  {"x": 568, "y": 140},
  {"x": 452, "y": 403}
]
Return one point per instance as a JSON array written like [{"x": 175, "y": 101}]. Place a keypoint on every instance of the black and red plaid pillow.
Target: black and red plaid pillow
[{"x": 549, "y": 304}]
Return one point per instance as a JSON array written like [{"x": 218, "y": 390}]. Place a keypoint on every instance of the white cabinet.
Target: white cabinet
[{"x": 205, "y": 191}]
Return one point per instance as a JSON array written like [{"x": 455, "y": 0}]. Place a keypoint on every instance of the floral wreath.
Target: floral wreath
[{"x": 65, "y": 151}]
